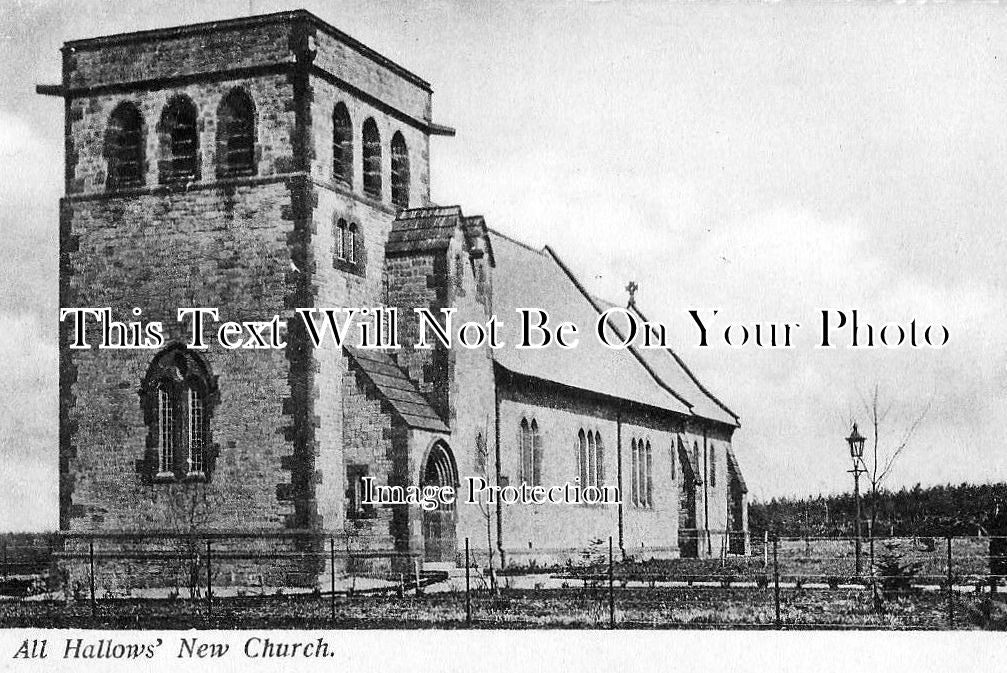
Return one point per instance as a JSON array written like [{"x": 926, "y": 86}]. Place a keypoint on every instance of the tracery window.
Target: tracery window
[{"x": 178, "y": 394}]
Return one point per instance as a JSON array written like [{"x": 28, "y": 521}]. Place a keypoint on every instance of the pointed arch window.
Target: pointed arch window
[
  {"x": 236, "y": 135},
  {"x": 125, "y": 148},
  {"x": 531, "y": 452},
  {"x": 179, "y": 140},
  {"x": 342, "y": 145},
  {"x": 372, "y": 159},
  {"x": 648, "y": 476},
  {"x": 400, "y": 172},
  {"x": 590, "y": 458},
  {"x": 712, "y": 458},
  {"x": 178, "y": 394},
  {"x": 635, "y": 471},
  {"x": 642, "y": 474}
]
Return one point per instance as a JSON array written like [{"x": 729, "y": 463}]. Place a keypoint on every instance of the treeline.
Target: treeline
[{"x": 965, "y": 509}]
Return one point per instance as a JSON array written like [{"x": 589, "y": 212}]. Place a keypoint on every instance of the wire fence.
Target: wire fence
[{"x": 311, "y": 581}]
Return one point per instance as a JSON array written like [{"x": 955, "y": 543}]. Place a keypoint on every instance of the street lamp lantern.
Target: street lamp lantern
[{"x": 856, "y": 442}]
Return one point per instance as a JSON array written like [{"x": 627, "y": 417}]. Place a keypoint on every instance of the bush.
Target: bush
[{"x": 896, "y": 575}]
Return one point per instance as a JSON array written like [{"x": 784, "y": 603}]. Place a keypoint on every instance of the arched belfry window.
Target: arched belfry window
[
  {"x": 372, "y": 159},
  {"x": 179, "y": 141},
  {"x": 400, "y": 171},
  {"x": 178, "y": 395},
  {"x": 342, "y": 145},
  {"x": 236, "y": 135},
  {"x": 125, "y": 148},
  {"x": 531, "y": 452}
]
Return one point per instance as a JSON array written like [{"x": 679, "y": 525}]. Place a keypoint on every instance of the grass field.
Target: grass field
[{"x": 683, "y": 607}]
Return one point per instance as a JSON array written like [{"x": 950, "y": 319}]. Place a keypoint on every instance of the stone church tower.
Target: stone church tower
[
  {"x": 268, "y": 164},
  {"x": 256, "y": 166}
]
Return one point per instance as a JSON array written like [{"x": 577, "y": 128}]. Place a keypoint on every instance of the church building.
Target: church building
[{"x": 272, "y": 163}]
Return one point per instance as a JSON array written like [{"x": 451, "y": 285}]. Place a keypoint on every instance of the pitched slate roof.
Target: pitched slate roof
[
  {"x": 396, "y": 388},
  {"x": 526, "y": 277},
  {"x": 531, "y": 278},
  {"x": 671, "y": 371},
  {"x": 423, "y": 229}
]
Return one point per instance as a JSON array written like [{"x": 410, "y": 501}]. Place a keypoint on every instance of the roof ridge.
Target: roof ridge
[
  {"x": 685, "y": 368},
  {"x": 497, "y": 232},
  {"x": 636, "y": 356},
  {"x": 428, "y": 211}
]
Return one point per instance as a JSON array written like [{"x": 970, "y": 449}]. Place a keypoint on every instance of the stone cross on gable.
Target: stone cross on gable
[{"x": 632, "y": 288}]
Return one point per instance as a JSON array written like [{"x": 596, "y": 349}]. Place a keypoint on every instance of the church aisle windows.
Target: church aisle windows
[
  {"x": 590, "y": 459},
  {"x": 642, "y": 469},
  {"x": 530, "y": 441},
  {"x": 712, "y": 457}
]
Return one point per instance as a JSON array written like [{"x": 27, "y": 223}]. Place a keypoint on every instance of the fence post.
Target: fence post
[
  {"x": 611, "y": 585},
  {"x": 90, "y": 548},
  {"x": 416, "y": 569},
  {"x": 765, "y": 549},
  {"x": 5, "y": 558},
  {"x": 951, "y": 588},
  {"x": 209, "y": 580},
  {"x": 468, "y": 594},
  {"x": 332, "y": 577},
  {"x": 776, "y": 578}
]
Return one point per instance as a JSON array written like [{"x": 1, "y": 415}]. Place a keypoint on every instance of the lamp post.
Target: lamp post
[{"x": 856, "y": 442}]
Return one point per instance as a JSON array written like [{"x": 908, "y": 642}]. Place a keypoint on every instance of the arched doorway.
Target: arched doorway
[
  {"x": 439, "y": 540},
  {"x": 688, "y": 536}
]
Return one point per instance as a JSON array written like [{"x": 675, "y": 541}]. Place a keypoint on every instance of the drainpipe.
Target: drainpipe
[
  {"x": 618, "y": 455},
  {"x": 496, "y": 435},
  {"x": 706, "y": 494}
]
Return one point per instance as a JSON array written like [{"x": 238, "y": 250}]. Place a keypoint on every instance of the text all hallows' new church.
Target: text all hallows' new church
[{"x": 269, "y": 163}]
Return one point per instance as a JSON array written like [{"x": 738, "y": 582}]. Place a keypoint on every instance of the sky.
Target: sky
[{"x": 766, "y": 160}]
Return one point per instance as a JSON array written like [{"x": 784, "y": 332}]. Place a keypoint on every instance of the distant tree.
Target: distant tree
[{"x": 889, "y": 438}]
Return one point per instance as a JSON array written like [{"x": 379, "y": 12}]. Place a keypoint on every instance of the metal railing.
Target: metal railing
[{"x": 312, "y": 580}]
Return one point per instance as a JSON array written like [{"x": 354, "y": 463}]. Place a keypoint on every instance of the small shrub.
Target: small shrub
[{"x": 896, "y": 576}]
